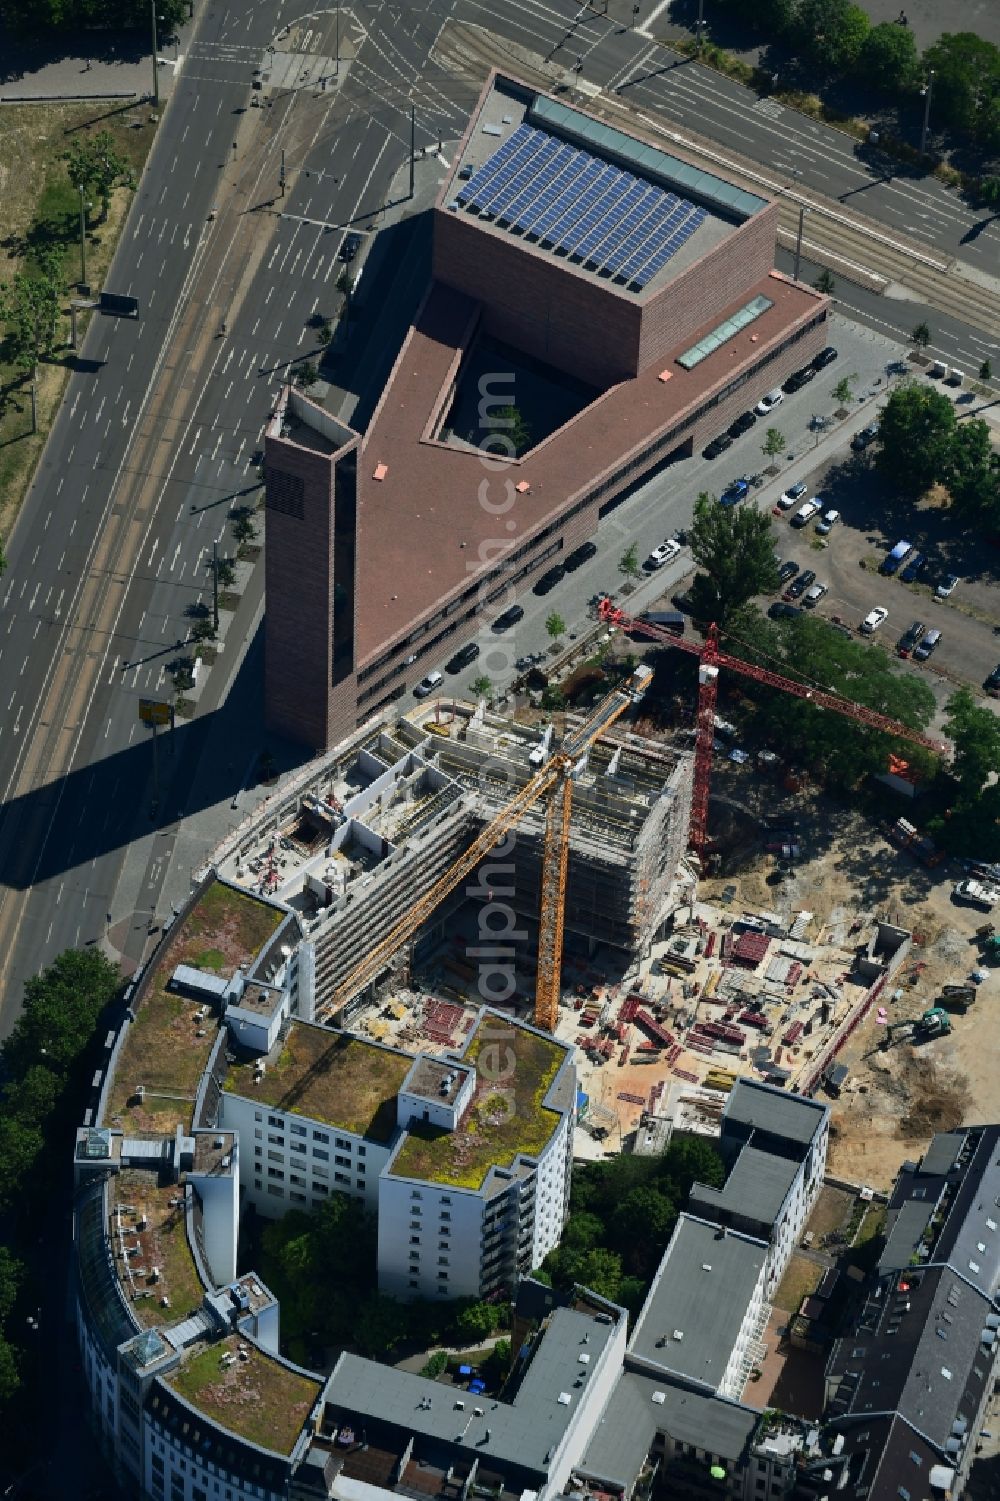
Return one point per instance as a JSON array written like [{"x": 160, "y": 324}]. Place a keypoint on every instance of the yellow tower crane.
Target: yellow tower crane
[{"x": 555, "y": 781}]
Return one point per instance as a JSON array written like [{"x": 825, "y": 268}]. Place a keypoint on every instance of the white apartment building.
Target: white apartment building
[{"x": 775, "y": 1145}]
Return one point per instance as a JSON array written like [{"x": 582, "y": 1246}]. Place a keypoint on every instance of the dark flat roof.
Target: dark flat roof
[
  {"x": 757, "y": 1186},
  {"x": 624, "y": 1435},
  {"x": 791, "y": 1116},
  {"x": 699, "y": 1297},
  {"x": 423, "y": 527}
]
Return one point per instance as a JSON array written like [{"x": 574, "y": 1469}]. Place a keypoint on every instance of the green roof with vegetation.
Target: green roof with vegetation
[
  {"x": 506, "y": 1118},
  {"x": 163, "y": 1244},
  {"x": 259, "y": 1399},
  {"x": 328, "y": 1077},
  {"x": 162, "y": 1051}
]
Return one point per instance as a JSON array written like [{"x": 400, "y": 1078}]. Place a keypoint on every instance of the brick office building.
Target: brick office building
[{"x": 633, "y": 289}]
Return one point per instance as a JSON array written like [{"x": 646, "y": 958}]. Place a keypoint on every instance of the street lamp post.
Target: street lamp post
[
  {"x": 701, "y": 21},
  {"x": 803, "y": 210},
  {"x": 156, "y": 48},
  {"x": 927, "y": 92},
  {"x": 83, "y": 238}
]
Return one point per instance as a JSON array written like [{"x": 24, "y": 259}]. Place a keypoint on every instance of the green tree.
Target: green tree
[
  {"x": 61, "y": 1008},
  {"x": 628, "y": 563},
  {"x": 510, "y": 421},
  {"x": 830, "y": 34},
  {"x": 921, "y": 336},
  {"x": 774, "y": 443},
  {"x": 307, "y": 374},
  {"x": 735, "y": 547},
  {"x": 21, "y": 1147},
  {"x": 9, "y": 1378},
  {"x": 915, "y": 440},
  {"x": 497, "y": 1363},
  {"x": 975, "y": 734},
  {"x": 601, "y": 1271},
  {"x": 3, "y": 555},
  {"x": 989, "y": 192},
  {"x": 95, "y": 167},
  {"x": 224, "y": 570},
  {"x": 583, "y": 1231},
  {"x": 838, "y": 748},
  {"x": 380, "y": 1325},
  {"x": 973, "y": 482},
  {"x": 203, "y": 629},
  {"x": 476, "y": 1323},
  {"x": 825, "y": 283},
  {"x": 842, "y": 390},
  {"x": 641, "y": 1226},
  {"x": 482, "y": 687},
  {"x": 689, "y": 1160},
  {"x": 888, "y": 60},
  {"x": 966, "y": 79},
  {"x": 985, "y": 373},
  {"x": 555, "y": 626},
  {"x": 29, "y": 311},
  {"x": 244, "y": 530}
]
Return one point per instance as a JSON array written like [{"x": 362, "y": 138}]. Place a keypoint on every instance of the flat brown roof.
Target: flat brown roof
[{"x": 439, "y": 515}]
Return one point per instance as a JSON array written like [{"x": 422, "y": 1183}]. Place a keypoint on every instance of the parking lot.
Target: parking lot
[
  {"x": 821, "y": 457},
  {"x": 847, "y": 561}
]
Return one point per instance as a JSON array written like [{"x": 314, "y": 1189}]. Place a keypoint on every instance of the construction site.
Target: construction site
[{"x": 668, "y": 991}]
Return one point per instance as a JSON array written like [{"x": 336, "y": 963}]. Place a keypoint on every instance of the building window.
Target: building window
[
  {"x": 342, "y": 1161},
  {"x": 321, "y": 1172},
  {"x": 414, "y": 1255},
  {"x": 445, "y": 1216},
  {"x": 276, "y": 1141},
  {"x": 442, "y": 1261},
  {"x": 258, "y": 1133},
  {"x": 276, "y": 1189},
  {"x": 258, "y": 1151},
  {"x": 342, "y": 1178},
  {"x": 273, "y": 1156},
  {"x": 323, "y": 1136},
  {"x": 258, "y": 1185},
  {"x": 319, "y": 1155},
  {"x": 275, "y": 1120},
  {"x": 414, "y": 1240},
  {"x": 415, "y": 1193},
  {"x": 442, "y": 1276},
  {"x": 275, "y": 1172},
  {"x": 297, "y": 1178},
  {"x": 360, "y": 1185},
  {"x": 361, "y": 1151},
  {"x": 414, "y": 1281},
  {"x": 345, "y": 1146},
  {"x": 299, "y": 1198},
  {"x": 298, "y": 1146},
  {"x": 446, "y": 1198},
  {"x": 297, "y": 1130},
  {"x": 320, "y": 1188}
]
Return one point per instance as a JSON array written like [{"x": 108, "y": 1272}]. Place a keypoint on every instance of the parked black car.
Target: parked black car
[
  {"x": 462, "y": 658},
  {"x": 799, "y": 585},
  {"x": 742, "y": 424},
  {"x": 718, "y": 445},
  {"x": 865, "y": 437},
  {"x": 782, "y": 611},
  {"x": 825, "y": 357},
  {"x": 787, "y": 571},
  {"x": 549, "y": 579},
  {"x": 508, "y": 618},
  {"x": 579, "y": 556},
  {"x": 798, "y": 380}
]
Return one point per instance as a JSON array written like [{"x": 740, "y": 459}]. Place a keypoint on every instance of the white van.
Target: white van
[{"x": 428, "y": 684}]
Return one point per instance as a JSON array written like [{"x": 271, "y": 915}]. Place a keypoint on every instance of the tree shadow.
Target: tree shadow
[{"x": 22, "y": 56}]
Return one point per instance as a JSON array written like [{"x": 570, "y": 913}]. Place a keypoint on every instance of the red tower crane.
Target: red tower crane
[{"x": 710, "y": 659}]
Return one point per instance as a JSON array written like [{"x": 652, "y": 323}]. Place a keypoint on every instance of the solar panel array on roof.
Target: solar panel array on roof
[{"x": 581, "y": 207}]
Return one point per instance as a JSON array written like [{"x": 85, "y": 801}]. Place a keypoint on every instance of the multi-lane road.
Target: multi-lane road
[{"x": 161, "y": 420}]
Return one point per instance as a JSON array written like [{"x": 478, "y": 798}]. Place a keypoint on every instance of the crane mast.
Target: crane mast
[{"x": 554, "y": 780}]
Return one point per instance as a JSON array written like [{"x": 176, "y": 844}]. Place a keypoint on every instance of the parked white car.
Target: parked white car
[
  {"x": 791, "y": 495},
  {"x": 806, "y": 513},
  {"x": 660, "y": 556},
  {"x": 769, "y": 402},
  {"x": 874, "y": 619},
  {"x": 827, "y": 522}
]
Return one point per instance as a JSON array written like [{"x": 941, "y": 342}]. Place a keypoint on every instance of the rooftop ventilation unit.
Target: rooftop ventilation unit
[
  {"x": 706, "y": 1266},
  {"x": 678, "y": 1334},
  {"x": 564, "y": 1399},
  {"x": 220, "y": 1141},
  {"x": 659, "y": 1398}
]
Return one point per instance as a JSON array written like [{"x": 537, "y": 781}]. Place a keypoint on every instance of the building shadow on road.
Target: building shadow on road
[{"x": 203, "y": 765}]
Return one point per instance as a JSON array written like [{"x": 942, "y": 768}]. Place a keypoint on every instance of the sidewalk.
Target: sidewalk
[{"x": 88, "y": 65}]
